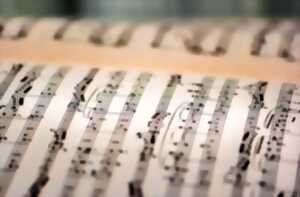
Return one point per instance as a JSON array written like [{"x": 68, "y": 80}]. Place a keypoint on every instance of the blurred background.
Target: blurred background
[{"x": 148, "y": 9}]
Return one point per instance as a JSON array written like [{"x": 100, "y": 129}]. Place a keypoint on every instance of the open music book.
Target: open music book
[{"x": 204, "y": 108}]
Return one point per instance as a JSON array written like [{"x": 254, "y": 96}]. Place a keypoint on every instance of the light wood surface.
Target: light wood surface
[{"x": 69, "y": 53}]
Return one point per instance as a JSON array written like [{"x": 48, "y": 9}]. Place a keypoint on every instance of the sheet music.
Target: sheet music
[
  {"x": 83, "y": 131},
  {"x": 213, "y": 37}
]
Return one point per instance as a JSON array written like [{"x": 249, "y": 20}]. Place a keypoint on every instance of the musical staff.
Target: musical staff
[
  {"x": 9, "y": 111},
  {"x": 114, "y": 148},
  {"x": 214, "y": 137},
  {"x": 155, "y": 126},
  {"x": 272, "y": 154},
  {"x": 61, "y": 133},
  {"x": 237, "y": 174},
  {"x": 104, "y": 99},
  {"x": 26, "y": 135},
  {"x": 5, "y": 83}
]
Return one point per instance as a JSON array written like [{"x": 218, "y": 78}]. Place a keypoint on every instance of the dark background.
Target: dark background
[{"x": 144, "y": 9}]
